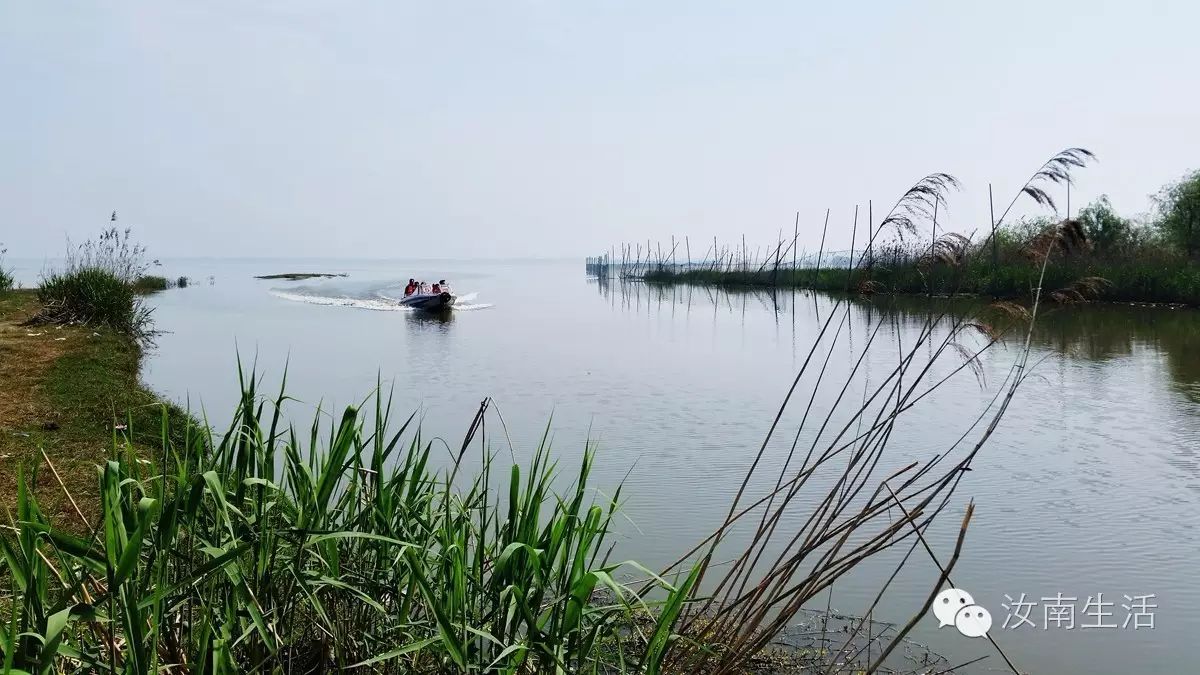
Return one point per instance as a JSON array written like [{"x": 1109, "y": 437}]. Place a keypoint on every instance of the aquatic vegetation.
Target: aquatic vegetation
[
  {"x": 266, "y": 549},
  {"x": 1108, "y": 256},
  {"x": 100, "y": 283},
  {"x": 1156, "y": 277},
  {"x": 113, "y": 251},
  {"x": 96, "y": 296},
  {"x": 149, "y": 283}
]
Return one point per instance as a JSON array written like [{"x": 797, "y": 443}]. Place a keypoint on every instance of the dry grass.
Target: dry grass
[
  {"x": 63, "y": 389},
  {"x": 25, "y": 356},
  {"x": 28, "y": 418}
]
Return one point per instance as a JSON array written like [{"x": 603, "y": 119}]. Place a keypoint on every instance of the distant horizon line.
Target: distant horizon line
[{"x": 561, "y": 258}]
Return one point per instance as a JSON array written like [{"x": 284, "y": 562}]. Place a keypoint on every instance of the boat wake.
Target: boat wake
[{"x": 379, "y": 300}]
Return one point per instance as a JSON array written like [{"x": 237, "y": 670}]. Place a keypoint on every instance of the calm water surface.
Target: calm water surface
[{"x": 1091, "y": 484}]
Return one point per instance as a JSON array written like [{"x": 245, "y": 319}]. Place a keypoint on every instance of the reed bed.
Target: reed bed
[
  {"x": 95, "y": 296},
  {"x": 100, "y": 283},
  {"x": 905, "y": 252},
  {"x": 267, "y": 550},
  {"x": 1171, "y": 281},
  {"x": 151, "y": 283}
]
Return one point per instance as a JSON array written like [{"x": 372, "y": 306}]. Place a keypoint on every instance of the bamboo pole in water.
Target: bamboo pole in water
[
  {"x": 775, "y": 273},
  {"x": 871, "y": 238},
  {"x": 933, "y": 247},
  {"x": 795, "y": 240},
  {"x": 995, "y": 244},
  {"x": 821, "y": 250},
  {"x": 853, "y": 236}
]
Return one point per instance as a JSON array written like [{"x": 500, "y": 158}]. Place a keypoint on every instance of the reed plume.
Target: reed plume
[{"x": 918, "y": 203}]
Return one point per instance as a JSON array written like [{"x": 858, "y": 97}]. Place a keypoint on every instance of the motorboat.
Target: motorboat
[{"x": 429, "y": 302}]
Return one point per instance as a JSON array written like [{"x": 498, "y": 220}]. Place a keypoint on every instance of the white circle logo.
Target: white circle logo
[
  {"x": 973, "y": 621},
  {"x": 948, "y": 602},
  {"x": 955, "y": 607}
]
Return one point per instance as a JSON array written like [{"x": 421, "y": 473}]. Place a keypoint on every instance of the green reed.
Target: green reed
[
  {"x": 150, "y": 283},
  {"x": 1170, "y": 280},
  {"x": 268, "y": 549}
]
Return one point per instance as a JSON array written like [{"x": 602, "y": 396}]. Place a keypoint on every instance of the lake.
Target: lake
[{"x": 1090, "y": 485}]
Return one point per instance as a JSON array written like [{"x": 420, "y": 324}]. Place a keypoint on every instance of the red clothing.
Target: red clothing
[{"x": 409, "y": 289}]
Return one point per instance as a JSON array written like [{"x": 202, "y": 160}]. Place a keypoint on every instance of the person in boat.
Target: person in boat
[
  {"x": 410, "y": 288},
  {"x": 444, "y": 287},
  {"x": 437, "y": 289}
]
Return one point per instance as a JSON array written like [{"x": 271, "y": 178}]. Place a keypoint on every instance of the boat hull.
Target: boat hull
[{"x": 429, "y": 302}]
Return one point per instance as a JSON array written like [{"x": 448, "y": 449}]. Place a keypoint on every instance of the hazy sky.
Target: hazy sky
[{"x": 445, "y": 129}]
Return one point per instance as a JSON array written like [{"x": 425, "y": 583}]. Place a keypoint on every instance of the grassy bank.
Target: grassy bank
[
  {"x": 1168, "y": 280},
  {"x": 66, "y": 390}
]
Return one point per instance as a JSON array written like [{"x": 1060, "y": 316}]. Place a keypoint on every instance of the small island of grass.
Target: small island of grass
[{"x": 300, "y": 276}]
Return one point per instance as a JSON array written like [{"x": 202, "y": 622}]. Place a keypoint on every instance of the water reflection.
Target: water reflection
[
  {"x": 420, "y": 321},
  {"x": 1112, "y": 343},
  {"x": 647, "y": 298},
  {"x": 1091, "y": 483},
  {"x": 1098, "y": 332},
  {"x": 1093, "y": 332}
]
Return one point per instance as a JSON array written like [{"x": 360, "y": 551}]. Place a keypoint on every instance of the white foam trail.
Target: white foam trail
[
  {"x": 464, "y": 302},
  {"x": 384, "y": 304},
  {"x": 361, "y": 303}
]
